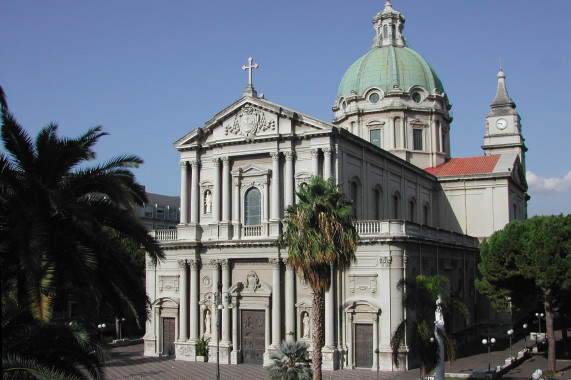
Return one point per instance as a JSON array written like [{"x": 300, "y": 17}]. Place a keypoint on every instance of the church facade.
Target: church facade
[{"x": 416, "y": 210}]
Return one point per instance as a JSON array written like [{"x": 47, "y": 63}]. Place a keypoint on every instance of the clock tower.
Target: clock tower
[{"x": 503, "y": 125}]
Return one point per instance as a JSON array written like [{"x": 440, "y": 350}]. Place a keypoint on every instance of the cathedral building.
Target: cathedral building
[{"x": 417, "y": 211}]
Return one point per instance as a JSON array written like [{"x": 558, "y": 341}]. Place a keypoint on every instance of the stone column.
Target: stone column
[
  {"x": 265, "y": 203},
  {"x": 375, "y": 318},
  {"x": 183, "y": 192},
  {"x": 194, "y": 192},
  {"x": 214, "y": 312},
  {"x": 226, "y": 311},
  {"x": 289, "y": 178},
  {"x": 350, "y": 343},
  {"x": 326, "y": 162},
  {"x": 194, "y": 320},
  {"x": 183, "y": 317},
  {"x": 216, "y": 196},
  {"x": 290, "y": 304},
  {"x": 314, "y": 161},
  {"x": 268, "y": 326},
  {"x": 276, "y": 302},
  {"x": 330, "y": 313},
  {"x": 236, "y": 216},
  {"x": 275, "y": 210},
  {"x": 234, "y": 353},
  {"x": 150, "y": 338},
  {"x": 226, "y": 189}
]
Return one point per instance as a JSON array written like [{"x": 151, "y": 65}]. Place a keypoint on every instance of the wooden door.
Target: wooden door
[
  {"x": 364, "y": 345},
  {"x": 253, "y": 336},
  {"x": 168, "y": 336}
]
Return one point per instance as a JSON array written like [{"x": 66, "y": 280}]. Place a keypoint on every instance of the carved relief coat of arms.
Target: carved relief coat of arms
[{"x": 248, "y": 122}]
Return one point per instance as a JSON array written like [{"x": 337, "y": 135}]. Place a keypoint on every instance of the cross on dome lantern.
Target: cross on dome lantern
[{"x": 249, "y": 91}]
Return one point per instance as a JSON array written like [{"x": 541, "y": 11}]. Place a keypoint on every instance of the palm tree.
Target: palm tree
[
  {"x": 320, "y": 235},
  {"x": 419, "y": 298},
  {"x": 291, "y": 362},
  {"x": 64, "y": 224},
  {"x": 34, "y": 349}
]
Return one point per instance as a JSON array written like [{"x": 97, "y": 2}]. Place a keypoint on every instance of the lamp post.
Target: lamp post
[
  {"x": 217, "y": 300},
  {"x": 510, "y": 332},
  {"x": 525, "y": 326},
  {"x": 489, "y": 343},
  {"x": 101, "y": 326},
  {"x": 120, "y": 322},
  {"x": 538, "y": 316}
]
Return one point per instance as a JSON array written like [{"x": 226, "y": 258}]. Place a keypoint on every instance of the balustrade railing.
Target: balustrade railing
[
  {"x": 369, "y": 229},
  {"x": 251, "y": 231}
]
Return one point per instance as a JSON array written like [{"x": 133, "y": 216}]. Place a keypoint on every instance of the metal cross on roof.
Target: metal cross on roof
[{"x": 250, "y": 67}]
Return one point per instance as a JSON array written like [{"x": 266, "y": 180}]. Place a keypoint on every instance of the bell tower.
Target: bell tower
[{"x": 503, "y": 125}]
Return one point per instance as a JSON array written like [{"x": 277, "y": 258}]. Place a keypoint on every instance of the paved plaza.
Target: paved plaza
[{"x": 128, "y": 362}]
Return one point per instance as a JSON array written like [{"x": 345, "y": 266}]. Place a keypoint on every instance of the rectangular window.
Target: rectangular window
[
  {"x": 160, "y": 212},
  {"x": 417, "y": 137},
  {"x": 148, "y": 211},
  {"x": 375, "y": 135},
  {"x": 397, "y": 134}
]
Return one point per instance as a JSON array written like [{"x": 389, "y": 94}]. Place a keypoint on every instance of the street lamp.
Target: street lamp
[
  {"x": 510, "y": 332},
  {"x": 101, "y": 326},
  {"x": 489, "y": 343},
  {"x": 525, "y": 326},
  {"x": 538, "y": 316},
  {"x": 120, "y": 322},
  {"x": 217, "y": 300}
]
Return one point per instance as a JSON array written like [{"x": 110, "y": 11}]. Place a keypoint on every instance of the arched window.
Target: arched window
[
  {"x": 377, "y": 204},
  {"x": 253, "y": 208},
  {"x": 385, "y": 31},
  {"x": 426, "y": 214},
  {"x": 355, "y": 197},
  {"x": 396, "y": 205},
  {"x": 412, "y": 209}
]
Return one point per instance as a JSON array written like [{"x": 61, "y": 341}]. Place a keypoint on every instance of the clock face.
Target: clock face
[{"x": 501, "y": 123}]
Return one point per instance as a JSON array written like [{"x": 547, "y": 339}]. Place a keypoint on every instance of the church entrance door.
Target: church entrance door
[
  {"x": 364, "y": 345},
  {"x": 168, "y": 336},
  {"x": 253, "y": 336}
]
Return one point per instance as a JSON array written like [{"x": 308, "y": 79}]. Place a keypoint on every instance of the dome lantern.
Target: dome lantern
[{"x": 388, "y": 25}]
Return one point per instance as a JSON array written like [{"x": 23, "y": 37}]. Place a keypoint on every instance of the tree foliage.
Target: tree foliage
[
  {"x": 319, "y": 234},
  {"x": 531, "y": 257},
  {"x": 291, "y": 362},
  {"x": 34, "y": 349},
  {"x": 419, "y": 298},
  {"x": 66, "y": 227}
]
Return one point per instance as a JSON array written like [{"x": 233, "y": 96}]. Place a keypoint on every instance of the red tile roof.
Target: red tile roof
[{"x": 466, "y": 165}]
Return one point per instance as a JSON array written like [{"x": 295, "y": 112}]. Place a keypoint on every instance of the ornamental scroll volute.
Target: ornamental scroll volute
[{"x": 248, "y": 122}]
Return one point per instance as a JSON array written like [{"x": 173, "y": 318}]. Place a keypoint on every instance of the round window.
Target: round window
[
  {"x": 374, "y": 97},
  {"x": 416, "y": 97}
]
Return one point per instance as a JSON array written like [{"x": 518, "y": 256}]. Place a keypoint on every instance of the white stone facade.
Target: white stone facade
[{"x": 241, "y": 170}]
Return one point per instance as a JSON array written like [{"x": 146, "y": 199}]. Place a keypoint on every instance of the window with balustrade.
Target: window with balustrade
[{"x": 253, "y": 207}]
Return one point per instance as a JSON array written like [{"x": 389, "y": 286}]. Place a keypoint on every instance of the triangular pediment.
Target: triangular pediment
[
  {"x": 250, "y": 119},
  {"x": 250, "y": 170}
]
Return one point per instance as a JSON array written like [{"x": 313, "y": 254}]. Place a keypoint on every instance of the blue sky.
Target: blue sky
[{"x": 151, "y": 71}]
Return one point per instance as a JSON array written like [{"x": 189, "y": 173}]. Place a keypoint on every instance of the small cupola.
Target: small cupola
[{"x": 388, "y": 25}]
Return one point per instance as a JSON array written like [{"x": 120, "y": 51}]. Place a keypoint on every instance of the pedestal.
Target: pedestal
[
  {"x": 225, "y": 353},
  {"x": 330, "y": 359},
  {"x": 150, "y": 347},
  {"x": 225, "y": 230},
  {"x": 236, "y": 357},
  {"x": 275, "y": 228},
  {"x": 185, "y": 351},
  {"x": 189, "y": 231}
]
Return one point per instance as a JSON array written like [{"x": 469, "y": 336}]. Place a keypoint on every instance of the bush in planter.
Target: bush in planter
[
  {"x": 291, "y": 362},
  {"x": 202, "y": 346}
]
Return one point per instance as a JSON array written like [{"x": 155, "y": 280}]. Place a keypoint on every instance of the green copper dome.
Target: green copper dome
[{"x": 387, "y": 66}]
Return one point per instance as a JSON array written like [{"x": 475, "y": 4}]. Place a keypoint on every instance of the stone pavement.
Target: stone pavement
[{"x": 128, "y": 362}]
